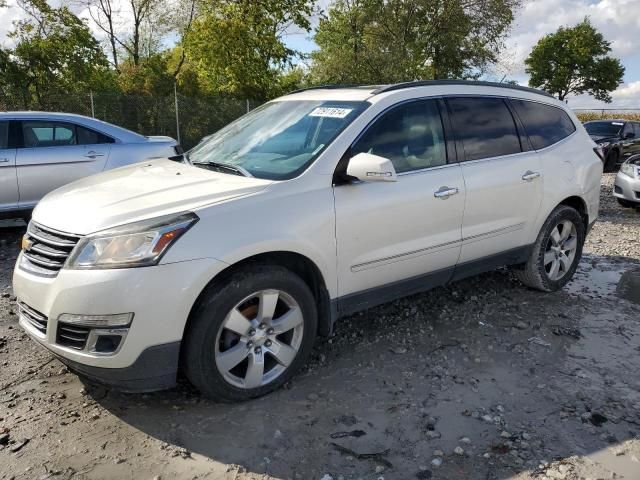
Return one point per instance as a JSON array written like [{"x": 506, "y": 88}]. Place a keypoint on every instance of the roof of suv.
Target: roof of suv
[{"x": 366, "y": 92}]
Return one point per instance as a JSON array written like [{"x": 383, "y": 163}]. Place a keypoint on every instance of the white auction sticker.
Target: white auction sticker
[{"x": 331, "y": 112}]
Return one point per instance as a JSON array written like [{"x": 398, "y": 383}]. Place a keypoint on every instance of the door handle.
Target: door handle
[
  {"x": 4, "y": 160},
  {"x": 93, "y": 154},
  {"x": 445, "y": 192},
  {"x": 529, "y": 175}
]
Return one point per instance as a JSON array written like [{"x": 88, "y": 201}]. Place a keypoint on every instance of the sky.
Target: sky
[{"x": 618, "y": 20}]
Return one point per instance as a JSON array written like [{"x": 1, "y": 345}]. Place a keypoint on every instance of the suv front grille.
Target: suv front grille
[
  {"x": 33, "y": 317},
  {"x": 46, "y": 250},
  {"x": 72, "y": 336}
]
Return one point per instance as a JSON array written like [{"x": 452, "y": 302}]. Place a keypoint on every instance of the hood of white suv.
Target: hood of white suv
[{"x": 138, "y": 192}]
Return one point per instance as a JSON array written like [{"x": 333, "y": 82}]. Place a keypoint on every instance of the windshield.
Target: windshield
[
  {"x": 604, "y": 129},
  {"x": 277, "y": 141}
]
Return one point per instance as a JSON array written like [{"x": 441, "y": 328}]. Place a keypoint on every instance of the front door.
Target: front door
[
  {"x": 54, "y": 154},
  {"x": 503, "y": 179},
  {"x": 8, "y": 179},
  {"x": 393, "y": 233}
]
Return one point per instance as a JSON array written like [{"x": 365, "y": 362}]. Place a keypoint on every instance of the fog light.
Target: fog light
[{"x": 109, "y": 321}]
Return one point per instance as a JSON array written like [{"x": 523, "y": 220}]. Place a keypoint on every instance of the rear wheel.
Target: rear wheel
[
  {"x": 611, "y": 161},
  {"x": 627, "y": 203},
  {"x": 556, "y": 252},
  {"x": 250, "y": 334}
]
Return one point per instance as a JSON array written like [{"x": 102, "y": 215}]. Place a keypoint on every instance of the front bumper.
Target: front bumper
[
  {"x": 627, "y": 188},
  {"x": 161, "y": 298}
]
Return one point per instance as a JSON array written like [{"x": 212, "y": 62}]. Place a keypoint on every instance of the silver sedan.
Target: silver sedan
[
  {"x": 40, "y": 152},
  {"x": 627, "y": 184}
]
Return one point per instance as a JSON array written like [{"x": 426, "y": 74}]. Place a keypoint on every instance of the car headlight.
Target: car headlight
[
  {"x": 138, "y": 244},
  {"x": 628, "y": 169}
]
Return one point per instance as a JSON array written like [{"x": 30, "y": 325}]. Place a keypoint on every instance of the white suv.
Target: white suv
[{"x": 316, "y": 205}]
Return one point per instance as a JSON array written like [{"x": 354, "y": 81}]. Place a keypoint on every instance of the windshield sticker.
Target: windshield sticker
[
  {"x": 331, "y": 112},
  {"x": 617, "y": 123}
]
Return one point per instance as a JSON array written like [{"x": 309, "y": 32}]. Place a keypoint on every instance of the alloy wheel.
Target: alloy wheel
[
  {"x": 561, "y": 250},
  {"x": 259, "y": 339}
]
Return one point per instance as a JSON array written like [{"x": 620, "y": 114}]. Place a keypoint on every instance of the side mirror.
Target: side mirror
[{"x": 371, "y": 168}]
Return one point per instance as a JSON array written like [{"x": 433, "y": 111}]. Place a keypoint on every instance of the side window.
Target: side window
[
  {"x": 485, "y": 126},
  {"x": 636, "y": 129},
  {"x": 87, "y": 136},
  {"x": 544, "y": 124},
  {"x": 628, "y": 129},
  {"x": 4, "y": 135},
  {"x": 47, "y": 134},
  {"x": 410, "y": 135}
]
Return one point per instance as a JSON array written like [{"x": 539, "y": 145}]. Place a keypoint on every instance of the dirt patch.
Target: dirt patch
[{"x": 484, "y": 379}]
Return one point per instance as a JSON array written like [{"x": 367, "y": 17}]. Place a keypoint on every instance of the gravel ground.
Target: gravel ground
[{"x": 483, "y": 379}]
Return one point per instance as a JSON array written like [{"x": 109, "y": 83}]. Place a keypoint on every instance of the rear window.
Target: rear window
[
  {"x": 485, "y": 127},
  {"x": 544, "y": 124}
]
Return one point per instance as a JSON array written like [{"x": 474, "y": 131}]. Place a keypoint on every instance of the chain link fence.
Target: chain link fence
[{"x": 187, "y": 119}]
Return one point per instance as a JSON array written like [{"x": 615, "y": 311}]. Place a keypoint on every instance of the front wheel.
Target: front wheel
[
  {"x": 556, "y": 252},
  {"x": 250, "y": 333}
]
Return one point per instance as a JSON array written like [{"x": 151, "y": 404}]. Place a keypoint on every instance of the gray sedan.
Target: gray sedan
[
  {"x": 627, "y": 184},
  {"x": 40, "y": 152}
]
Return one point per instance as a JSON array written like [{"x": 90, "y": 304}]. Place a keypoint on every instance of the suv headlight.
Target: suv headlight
[
  {"x": 628, "y": 169},
  {"x": 138, "y": 244}
]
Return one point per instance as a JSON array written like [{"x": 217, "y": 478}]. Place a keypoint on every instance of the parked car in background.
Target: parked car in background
[
  {"x": 627, "y": 184},
  {"x": 311, "y": 207},
  {"x": 40, "y": 152},
  {"x": 618, "y": 139}
]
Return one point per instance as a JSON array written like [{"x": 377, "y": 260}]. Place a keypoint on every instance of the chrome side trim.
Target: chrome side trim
[{"x": 436, "y": 248}]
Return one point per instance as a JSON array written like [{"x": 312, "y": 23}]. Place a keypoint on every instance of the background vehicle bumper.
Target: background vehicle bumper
[
  {"x": 627, "y": 188},
  {"x": 161, "y": 298}
]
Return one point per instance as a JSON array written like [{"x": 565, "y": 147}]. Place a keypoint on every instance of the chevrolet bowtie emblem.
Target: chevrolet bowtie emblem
[{"x": 26, "y": 243}]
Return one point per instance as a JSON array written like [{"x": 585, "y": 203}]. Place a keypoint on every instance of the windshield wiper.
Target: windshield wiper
[{"x": 224, "y": 168}]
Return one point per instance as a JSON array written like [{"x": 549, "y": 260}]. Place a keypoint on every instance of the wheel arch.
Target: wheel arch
[
  {"x": 297, "y": 263},
  {"x": 580, "y": 206}
]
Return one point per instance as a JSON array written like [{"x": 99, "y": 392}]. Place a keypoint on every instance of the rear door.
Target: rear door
[
  {"x": 55, "y": 153},
  {"x": 503, "y": 179},
  {"x": 8, "y": 178}
]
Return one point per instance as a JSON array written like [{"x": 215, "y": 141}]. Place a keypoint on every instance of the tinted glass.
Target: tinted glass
[
  {"x": 604, "y": 129},
  {"x": 276, "y": 141},
  {"x": 636, "y": 129},
  {"x": 4, "y": 135},
  {"x": 47, "y": 134},
  {"x": 628, "y": 129},
  {"x": 411, "y": 136},
  {"x": 544, "y": 124},
  {"x": 91, "y": 137},
  {"x": 485, "y": 127}
]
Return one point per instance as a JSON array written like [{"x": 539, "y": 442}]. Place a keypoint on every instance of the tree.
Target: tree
[
  {"x": 237, "y": 47},
  {"x": 574, "y": 61},
  {"x": 133, "y": 26},
  {"x": 54, "y": 53},
  {"x": 380, "y": 41}
]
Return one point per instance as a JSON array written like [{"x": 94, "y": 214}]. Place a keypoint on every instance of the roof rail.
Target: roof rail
[
  {"x": 428, "y": 83},
  {"x": 335, "y": 86}
]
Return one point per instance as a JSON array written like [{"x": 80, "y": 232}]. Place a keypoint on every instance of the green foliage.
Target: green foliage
[
  {"x": 382, "y": 41},
  {"x": 236, "y": 45},
  {"x": 574, "y": 61},
  {"x": 54, "y": 52}
]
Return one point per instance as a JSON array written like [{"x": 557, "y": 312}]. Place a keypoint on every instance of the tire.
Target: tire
[
  {"x": 627, "y": 203},
  {"x": 534, "y": 273},
  {"x": 611, "y": 161},
  {"x": 231, "y": 302}
]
